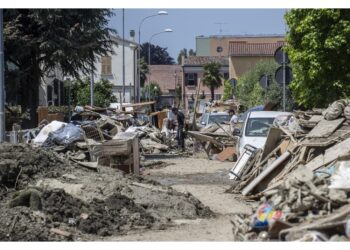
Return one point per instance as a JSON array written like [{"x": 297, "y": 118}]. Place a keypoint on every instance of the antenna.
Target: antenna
[{"x": 220, "y": 26}]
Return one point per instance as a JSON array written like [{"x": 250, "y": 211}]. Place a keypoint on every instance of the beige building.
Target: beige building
[
  {"x": 193, "y": 74},
  {"x": 243, "y": 51}
]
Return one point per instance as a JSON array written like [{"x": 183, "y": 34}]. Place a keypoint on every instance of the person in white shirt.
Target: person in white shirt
[{"x": 234, "y": 118}]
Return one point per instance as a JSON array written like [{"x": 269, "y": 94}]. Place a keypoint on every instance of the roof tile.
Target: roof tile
[{"x": 253, "y": 49}]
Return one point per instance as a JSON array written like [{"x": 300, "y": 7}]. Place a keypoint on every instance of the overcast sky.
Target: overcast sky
[{"x": 189, "y": 23}]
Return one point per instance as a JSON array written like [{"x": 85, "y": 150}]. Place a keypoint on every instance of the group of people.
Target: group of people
[{"x": 180, "y": 136}]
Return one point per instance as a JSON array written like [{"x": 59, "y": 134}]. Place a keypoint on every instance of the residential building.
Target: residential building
[
  {"x": 111, "y": 68},
  {"x": 193, "y": 74},
  {"x": 220, "y": 45},
  {"x": 244, "y": 51},
  {"x": 168, "y": 78}
]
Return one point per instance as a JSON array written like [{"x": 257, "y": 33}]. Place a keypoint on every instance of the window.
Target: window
[
  {"x": 217, "y": 97},
  {"x": 226, "y": 75},
  {"x": 258, "y": 126},
  {"x": 191, "y": 79},
  {"x": 106, "y": 65}
]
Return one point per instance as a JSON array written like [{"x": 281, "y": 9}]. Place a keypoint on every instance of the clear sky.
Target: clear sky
[{"x": 189, "y": 23}]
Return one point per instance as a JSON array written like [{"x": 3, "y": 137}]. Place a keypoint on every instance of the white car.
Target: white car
[
  {"x": 213, "y": 117},
  {"x": 256, "y": 127}
]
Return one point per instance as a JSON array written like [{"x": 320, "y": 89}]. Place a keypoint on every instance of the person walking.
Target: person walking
[
  {"x": 234, "y": 119},
  {"x": 180, "y": 128}
]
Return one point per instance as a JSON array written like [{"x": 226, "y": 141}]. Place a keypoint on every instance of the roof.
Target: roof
[
  {"x": 242, "y": 36},
  {"x": 120, "y": 39},
  {"x": 253, "y": 49},
  {"x": 267, "y": 114},
  {"x": 201, "y": 60}
]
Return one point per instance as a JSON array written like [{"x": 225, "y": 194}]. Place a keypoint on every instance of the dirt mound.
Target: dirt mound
[
  {"x": 101, "y": 217},
  {"x": 168, "y": 204},
  {"x": 19, "y": 163},
  {"x": 22, "y": 224}
]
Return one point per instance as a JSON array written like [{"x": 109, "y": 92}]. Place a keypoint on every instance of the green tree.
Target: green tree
[
  {"x": 144, "y": 71},
  {"x": 191, "y": 52},
  {"x": 212, "y": 77},
  {"x": 80, "y": 92},
  {"x": 228, "y": 90},
  {"x": 159, "y": 55},
  {"x": 39, "y": 41},
  {"x": 319, "y": 48},
  {"x": 152, "y": 90},
  {"x": 250, "y": 93},
  {"x": 182, "y": 52}
]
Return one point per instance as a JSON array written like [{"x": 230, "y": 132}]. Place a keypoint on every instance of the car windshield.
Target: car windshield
[
  {"x": 258, "y": 126},
  {"x": 204, "y": 118},
  {"x": 219, "y": 118}
]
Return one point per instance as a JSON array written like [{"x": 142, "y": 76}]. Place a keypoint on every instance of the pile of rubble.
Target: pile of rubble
[
  {"x": 66, "y": 181},
  {"x": 300, "y": 177},
  {"x": 46, "y": 197}
]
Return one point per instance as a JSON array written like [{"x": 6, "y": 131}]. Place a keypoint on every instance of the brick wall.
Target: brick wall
[{"x": 164, "y": 75}]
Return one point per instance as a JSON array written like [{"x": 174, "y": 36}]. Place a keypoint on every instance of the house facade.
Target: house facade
[
  {"x": 193, "y": 74},
  {"x": 168, "y": 78},
  {"x": 243, "y": 51},
  {"x": 111, "y": 68}
]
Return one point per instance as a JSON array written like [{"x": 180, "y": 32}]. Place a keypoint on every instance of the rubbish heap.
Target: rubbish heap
[
  {"x": 61, "y": 181},
  {"x": 301, "y": 178}
]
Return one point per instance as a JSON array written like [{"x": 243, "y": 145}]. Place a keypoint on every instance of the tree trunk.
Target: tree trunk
[
  {"x": 212, "y": 93},
  {"x": 30, "y": 95}
]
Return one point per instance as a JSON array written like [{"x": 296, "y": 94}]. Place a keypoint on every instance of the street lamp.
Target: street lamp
[
  {"x": 160, "y": 13},
  {"x": 149, "y": 48},
  {"x": 149, "y": 43}
]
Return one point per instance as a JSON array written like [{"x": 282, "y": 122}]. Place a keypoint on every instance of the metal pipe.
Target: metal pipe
[
  {"x": 284, "y": 80},
  {"x": 2, "y": 79},
  {"x": 123, "y": 56},
  {"x": 266, "y": 172},
  {"x": 92, "y": 85}
]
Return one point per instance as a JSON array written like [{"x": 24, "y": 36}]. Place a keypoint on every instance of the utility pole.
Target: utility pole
[
  {"x": 2, "y": 79},
  {"x": 92, "y": 83},
  {"x": 123, "y": 56},
  {"x": 284, "y": 81}
]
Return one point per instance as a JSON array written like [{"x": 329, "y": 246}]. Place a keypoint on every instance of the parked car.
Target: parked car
[
  {"x": 256, "y": 127},
  {"x": 212, "y": 117}
]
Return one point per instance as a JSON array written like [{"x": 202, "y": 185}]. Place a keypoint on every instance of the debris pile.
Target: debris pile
[
  {"x": 45, "y": 197},
  {"x": 301, "y": 178}
]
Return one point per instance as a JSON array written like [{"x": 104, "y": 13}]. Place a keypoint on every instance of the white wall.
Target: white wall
[{"x": 117, "y": 69}]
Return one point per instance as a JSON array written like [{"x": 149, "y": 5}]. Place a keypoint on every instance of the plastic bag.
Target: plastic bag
[
  {"x": 335, "y": 110},
  {"x": 45, "y": 131},
  {"x": 66, "y": 135},
  {"x": 347, "y": 113},
  {"x": 341, "y": 177}
]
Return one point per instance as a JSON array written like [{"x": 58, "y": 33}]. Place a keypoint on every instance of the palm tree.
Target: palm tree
[{"x": 212, "y": 77}]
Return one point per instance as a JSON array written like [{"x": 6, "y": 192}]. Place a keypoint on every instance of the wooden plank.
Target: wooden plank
[
  {"x": 284, "y": 146},
  {"x": 316, "y": 118},
  {"x": 204, "y": 138},
  {"x": 325, "y": 128},
  {"x": 136, "y": 156},
  {"x": 60, "y": 232},
  {"x": 330, "y": 155},
  {"x": 138, "y": 104},
  {"x": 272, "y": 141},
  {"x": 333, "y": 218},
  {"x": 325, "y": 142},
  {"x": 226, "y": 153}
]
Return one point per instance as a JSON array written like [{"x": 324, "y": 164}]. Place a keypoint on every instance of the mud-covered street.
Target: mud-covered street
[{"x": 207, "y": 180}]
